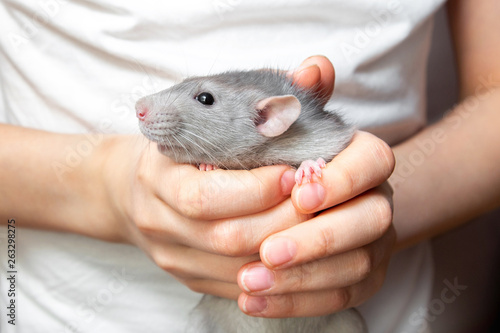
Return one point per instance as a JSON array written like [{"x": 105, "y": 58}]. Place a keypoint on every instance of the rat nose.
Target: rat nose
[{"x": 141, "y": 110}]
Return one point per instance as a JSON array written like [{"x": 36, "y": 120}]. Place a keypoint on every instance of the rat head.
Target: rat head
[{"x": 216, "y": 119}]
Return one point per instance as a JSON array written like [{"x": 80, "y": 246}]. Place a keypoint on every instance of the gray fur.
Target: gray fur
[
  {"x": 212, "y": 313},
  {"x": 224, "y": 134}
]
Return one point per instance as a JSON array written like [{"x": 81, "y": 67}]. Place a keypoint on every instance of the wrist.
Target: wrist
[
  {"x": 94, "y": 187},
  {"x": 88, "y": 209},
  {"x": 114, "y": 167}
]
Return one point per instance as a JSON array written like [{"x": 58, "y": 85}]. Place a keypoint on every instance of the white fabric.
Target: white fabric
[{"x": 79, "y": 66}]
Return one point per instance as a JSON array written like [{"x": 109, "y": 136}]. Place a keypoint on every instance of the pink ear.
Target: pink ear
[{"x": 278, "y": 113}]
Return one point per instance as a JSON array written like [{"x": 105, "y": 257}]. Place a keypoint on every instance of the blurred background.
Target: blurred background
[{"x": 471, "y": 254}]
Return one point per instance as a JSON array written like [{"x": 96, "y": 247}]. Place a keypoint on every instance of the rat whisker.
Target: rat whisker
[
  {"x": 200, "y": 138},
  {"x": 170, "y": 144},
  {"x": 186, "y": 150},
  {"x": 235, "y": 158},
  {"x": 203, "y": 150}
]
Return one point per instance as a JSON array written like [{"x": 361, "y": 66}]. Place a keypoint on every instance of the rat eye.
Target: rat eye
[{"x": 205, "y": 98}]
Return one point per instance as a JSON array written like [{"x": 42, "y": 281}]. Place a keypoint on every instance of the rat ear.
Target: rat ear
[{"x": 277, "y": 114}]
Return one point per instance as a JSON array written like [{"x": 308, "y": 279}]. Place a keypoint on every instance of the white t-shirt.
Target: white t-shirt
[{"x": 79, "y": 66}]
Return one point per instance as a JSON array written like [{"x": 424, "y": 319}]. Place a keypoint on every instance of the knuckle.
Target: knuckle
[
  {"x": 391, "y": 236},
  {"x": 283, "y": 306},
  {"x": 382, "y": 213},
  {"x": 145, "y": 174},
  {"x": 350, "y": 180},
  {"x": 165, "y": 262},
  {"x": 142, "y": 174},
  {"x": 191, "y": 199},
  {"x": 364, "y": 264},
  {"x": 266, "y": 194},
  {"x": 383, "y": 153},
  {"x": 261, "y": 193},
  {"x": 299, "y": 277},
  {"x": 379, "y": 280},
  {"x": 287, "y": 304},
  {"x": 194, "y": 285},
  {"x": 142, "y": 221},
  {"x": 144, "y": 226},
  {"x": 147, "y": 223},
  {"x": 228, "y": 239},
  {"x": 341, "y": 299},
  {"x": 325, "y": 242}
]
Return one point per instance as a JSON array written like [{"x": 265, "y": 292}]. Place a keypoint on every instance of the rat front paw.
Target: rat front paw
[
  {"x": 207, "y": 167},
  {"x": 308, "y": 168}
]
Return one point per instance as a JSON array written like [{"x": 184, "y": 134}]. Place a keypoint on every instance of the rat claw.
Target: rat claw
[
  {"x": 207, "y": 167},
  {"x": 307, "y": 172},
  {"x": 307, "y": 168},
  {"x": 317, "y": 166},
  {"x": 321, "y": 162},
  {"x": 298, "y": 176}
]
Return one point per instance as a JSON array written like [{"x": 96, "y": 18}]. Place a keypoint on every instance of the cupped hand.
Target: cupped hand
[
  {"x": 338, "y": 258},
  {"x": 202, "y": 227},
  {"x": 207, "y": 228}
]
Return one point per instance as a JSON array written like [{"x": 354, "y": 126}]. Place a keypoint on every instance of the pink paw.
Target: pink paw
[
  {"x": 308, "y": 168},
  {"x": 207, "y": 167}
]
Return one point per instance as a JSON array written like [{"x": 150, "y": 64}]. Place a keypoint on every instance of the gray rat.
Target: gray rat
[{"x": 244, "y": 120}]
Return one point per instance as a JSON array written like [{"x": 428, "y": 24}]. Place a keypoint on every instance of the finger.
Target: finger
[
  {"x": 243, "y": 236},
  {"x": 316, "y": 303},
  {"x": 239, "y": 236},
  {"x": 367, "y": 162},
  {"x": 355, "y": 223},
  {"x": 334, "y": 272},
  {"x": 217, "y": 288},
  {"x": 219, "y": 193},
  {"x": 188, "y": 263},
  {"x": 200, "y": 271},
  {"x": 308, "y": 76},
  {"x": 316, "y": 72}
]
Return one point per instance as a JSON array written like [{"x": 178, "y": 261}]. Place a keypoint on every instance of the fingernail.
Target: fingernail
[
  {"x": 310, "y": 196},
  {"x": 287, "y": 182},
  {"x": 279, "y": 251},
  {"x": 257, "y": 278},
  {"x": 255, "y": 304}
]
